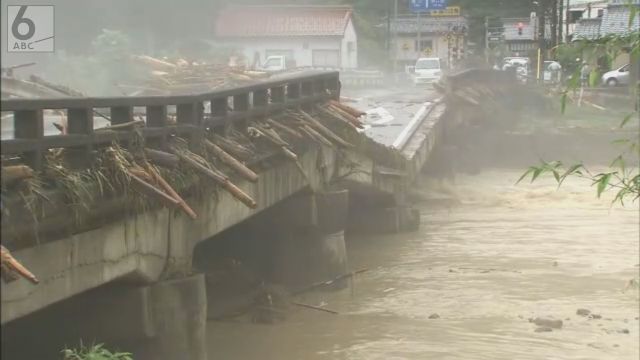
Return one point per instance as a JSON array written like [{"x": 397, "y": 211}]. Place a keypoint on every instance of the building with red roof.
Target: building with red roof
[{"x": 319, "y": 36}]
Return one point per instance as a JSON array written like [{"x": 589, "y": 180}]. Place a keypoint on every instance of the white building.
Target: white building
[{"x": 319, "y": 36}]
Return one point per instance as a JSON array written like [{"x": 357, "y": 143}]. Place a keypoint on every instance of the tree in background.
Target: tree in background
[{"x": 620, "y": 177}]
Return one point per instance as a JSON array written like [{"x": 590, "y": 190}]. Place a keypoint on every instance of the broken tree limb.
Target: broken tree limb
[
  {"x": 165, "y": 185},
  {"x": 14, "y": 266},
  {"x": 13, "y": 173},
  {"x": 283, "y": 147},
  {"x": 232, "y": 147},
  {"x": 352, "y": 119},
  {"x": 162, "y": 158},
  {"x": 141, "y": 173},
  {"x": 348, "y": 109},
  {"x": 231, "y": 161},
  {"x": 284, "y": 128},
  {"x": 339, "y": 117},
  {"x": 315, "y": 135},
  {"x": 276, "y": 140},
  {"x": 221, "y": 179},
  {"x": 323, "y": 130},
  {"x": 151, "y": 191},
  {"x": 124, "y": 126},
  {"x": 314, "y": 308},
  {"x": 327, "y": 283}
]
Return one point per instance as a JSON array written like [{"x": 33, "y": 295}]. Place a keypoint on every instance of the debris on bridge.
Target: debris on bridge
[
  {"x": 137, "y": 175},
  {"x": 12, "y": 268},
  {"x": 165, "y": 77}
]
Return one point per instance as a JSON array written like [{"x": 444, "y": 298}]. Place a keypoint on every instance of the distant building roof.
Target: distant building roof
[
  {"x": 616, "y": 21},
  {"x": 282, "y": 20},
  {"x": 428, "y": 25},
  {"x": 587, "y": 29}
]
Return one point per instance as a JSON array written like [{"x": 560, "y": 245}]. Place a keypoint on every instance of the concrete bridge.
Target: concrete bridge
[{"x": 302, "y": 209}]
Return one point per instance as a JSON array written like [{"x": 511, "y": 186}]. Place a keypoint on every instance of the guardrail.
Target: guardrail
[{"x": 228, "y": 107}]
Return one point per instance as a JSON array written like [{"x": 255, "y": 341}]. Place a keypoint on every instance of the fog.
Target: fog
[{"x": 502, "y": 267}]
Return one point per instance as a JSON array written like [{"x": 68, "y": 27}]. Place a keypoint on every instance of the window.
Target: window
[
  {"x": 428, "y": 64},
  {"x": 600, "y": 13},
  {"x": 424, "y": 44}
]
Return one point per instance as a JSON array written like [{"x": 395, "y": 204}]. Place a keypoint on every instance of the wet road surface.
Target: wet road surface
[{"x": 391, "y": 109}]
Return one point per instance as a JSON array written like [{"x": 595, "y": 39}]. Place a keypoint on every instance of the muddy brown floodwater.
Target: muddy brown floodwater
[{"x": 484, "y": 265}]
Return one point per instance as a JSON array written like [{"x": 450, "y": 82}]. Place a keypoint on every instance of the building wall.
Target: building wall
[
  {"x": 350, "y": 52},
  {"x": 409, "y": 54},
  {"x": 302, "y": 48}
]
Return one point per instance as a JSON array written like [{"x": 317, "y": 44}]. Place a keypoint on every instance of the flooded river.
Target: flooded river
[{"x": 484, "y": 265}]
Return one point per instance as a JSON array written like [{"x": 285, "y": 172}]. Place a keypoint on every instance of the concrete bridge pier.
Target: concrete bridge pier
[
  {"x": 178, "y": 317},
  {"x": 164, "y": 320},
  {"x": 314, "y": 251}
]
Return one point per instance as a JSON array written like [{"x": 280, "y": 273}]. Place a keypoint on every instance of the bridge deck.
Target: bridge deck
[{"x": 150, "y": 246}]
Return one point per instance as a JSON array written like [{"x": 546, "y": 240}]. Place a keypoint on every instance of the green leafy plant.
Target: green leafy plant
[
  {"x": 94, "y": 352},
  {"x": 619, "y": 177}
]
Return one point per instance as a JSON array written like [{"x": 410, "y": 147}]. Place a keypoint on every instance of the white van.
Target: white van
[{"x": 427, "y": 70}]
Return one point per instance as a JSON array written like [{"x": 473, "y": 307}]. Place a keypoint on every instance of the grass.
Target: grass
[{"x": 94, "y": 352}]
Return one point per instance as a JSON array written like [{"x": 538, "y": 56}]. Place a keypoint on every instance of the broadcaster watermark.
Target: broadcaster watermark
[{"x": 30, "y": 28}]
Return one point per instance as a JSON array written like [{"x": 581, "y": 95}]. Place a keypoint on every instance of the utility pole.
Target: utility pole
[
  {"x": 389, "y": 34},
  {"x": 486, "y": 38},
  {"x": 419, "y": 30},
  {"x": 554, "y": 23},
  {"x": 540, "y": 14},
  {"x": 560, "y": 20},
  {"x": 567, "y": 21},
  {"x": 395, "y": 36}
]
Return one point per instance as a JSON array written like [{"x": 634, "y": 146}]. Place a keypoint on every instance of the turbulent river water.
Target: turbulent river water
[{"x": 485, "y": 263}]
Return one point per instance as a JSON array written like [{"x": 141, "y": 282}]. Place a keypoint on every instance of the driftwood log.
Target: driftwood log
[
  {"x": 352, "y": 119},
  {"x": 284, "y": 128},
  {"x": 315, "y": 135},
  {"x": 232, "y": 147},
  {"x": 151, "y": 191},
  {"x": 232, "y": 162},
  {"x": 162, "y": 158},
  {"x": 348, "y": 109},
  {"x": 323, "y": 130},
  {"x": 284, "y": 147},
  {"x": 12, "y": 266},
  {"x": 13, "y": 173},
  {"x": 220, "y": 178},
  {"x": 166, "y": 187}
]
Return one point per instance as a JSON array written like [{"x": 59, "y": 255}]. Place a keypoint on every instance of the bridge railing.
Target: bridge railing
[{"x": 212, "y": 111}]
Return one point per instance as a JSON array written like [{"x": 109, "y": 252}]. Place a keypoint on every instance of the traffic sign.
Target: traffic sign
[{"x": 428, "y": 5}]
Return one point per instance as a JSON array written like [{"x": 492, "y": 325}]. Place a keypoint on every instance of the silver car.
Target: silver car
[{"x": 617, "y": 77}]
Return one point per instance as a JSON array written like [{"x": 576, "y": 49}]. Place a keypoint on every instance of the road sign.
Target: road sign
[{"x": 428, "y": 5}]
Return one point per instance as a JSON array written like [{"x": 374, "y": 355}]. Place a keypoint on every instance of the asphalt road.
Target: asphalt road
[{"x": 390, "y": 109}]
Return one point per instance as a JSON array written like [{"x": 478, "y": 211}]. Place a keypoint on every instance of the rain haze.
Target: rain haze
[{"x": 320, "y": 179}]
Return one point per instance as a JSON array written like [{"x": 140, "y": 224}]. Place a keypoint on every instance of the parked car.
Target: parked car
[
  {"x": 427, "y": 70},
  {"x": 277, "y": 63},
  {"x": 617, "y": 77}
]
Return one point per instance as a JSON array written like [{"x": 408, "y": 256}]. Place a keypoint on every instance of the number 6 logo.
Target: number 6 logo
[
  {"x": 30, "y": 28},
  {"x": 20, "y": 19}
]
